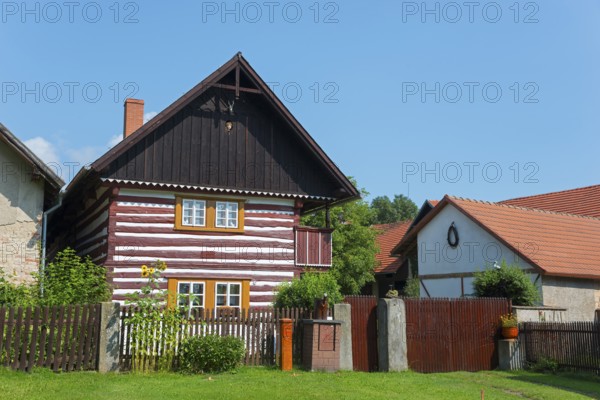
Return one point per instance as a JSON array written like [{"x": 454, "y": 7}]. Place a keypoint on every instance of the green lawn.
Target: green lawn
[{"x": 265, "y": 383}]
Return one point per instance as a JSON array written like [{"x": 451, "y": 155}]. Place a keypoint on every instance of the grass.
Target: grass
[{"x": 266, "y": 383}]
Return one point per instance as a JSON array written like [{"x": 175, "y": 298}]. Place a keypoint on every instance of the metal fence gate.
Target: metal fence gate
[
  {"x": 364, "y": 332},
  {"x": 453, "y": 334}
]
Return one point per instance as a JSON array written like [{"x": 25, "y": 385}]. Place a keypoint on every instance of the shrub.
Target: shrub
[
  {"x": 412, "y": 287},
  {"x": 544, "y": 364},
  {"x": 508, "y": 281},
  {"x": 69, "y": 279},
  {"x": 15, "y": 295},
  {"x": 303, "y": 292},
  {"x": 211, "y": 353}
]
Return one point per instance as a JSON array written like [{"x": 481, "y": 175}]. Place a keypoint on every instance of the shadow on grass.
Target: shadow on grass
[{"x": 580, "y": 383}]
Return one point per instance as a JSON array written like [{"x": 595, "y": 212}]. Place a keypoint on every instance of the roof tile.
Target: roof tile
[
  {"x": 559, "y": 243},
  {"x": 580, "y": 201},
  {"x": 389, "y": 236}
]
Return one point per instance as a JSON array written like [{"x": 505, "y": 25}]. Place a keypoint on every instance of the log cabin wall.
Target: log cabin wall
[
  {"x": 142, "y": 230},
  {"x": 89, "y": 230}
]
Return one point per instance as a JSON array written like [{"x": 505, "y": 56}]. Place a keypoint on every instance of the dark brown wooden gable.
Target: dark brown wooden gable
[{"x": 262, "y": 152}]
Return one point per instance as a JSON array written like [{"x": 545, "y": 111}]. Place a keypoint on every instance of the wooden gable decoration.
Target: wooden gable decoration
[{"x": 230, "y": 131}]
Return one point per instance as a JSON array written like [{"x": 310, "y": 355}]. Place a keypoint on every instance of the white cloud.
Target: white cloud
[
  {"x": 43, "y": 149},
  {"x": 115, "y": 140},
  {"x": 83, "y": 155},
  {"x": 149, "y": 115}
]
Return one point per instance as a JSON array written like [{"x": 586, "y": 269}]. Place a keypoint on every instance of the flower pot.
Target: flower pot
[{"x": 510, "y": 332}]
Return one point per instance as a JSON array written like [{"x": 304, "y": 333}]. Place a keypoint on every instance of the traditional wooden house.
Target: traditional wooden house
[{"x": 214, "y": 185}]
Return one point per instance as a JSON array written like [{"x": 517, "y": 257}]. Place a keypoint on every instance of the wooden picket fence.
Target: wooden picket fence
[
  {"x": 258, "y": 327},
  {"x": 63, "y": 338},
  {"x": 573, "y": 345}
]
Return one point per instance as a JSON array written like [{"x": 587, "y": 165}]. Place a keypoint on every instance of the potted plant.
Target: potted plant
[{"x": 510, "y": 326}]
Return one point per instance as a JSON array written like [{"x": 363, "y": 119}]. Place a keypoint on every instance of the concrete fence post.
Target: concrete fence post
[
  {"x": 342, "y": 313},
  {"x": 391, "y": 335},
  {"x": 511, "y": 354},
  {"x": 108, "y": 345}
]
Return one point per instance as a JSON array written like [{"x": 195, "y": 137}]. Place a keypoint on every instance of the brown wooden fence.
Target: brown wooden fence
[
  {"x": 258, "y": 327},
  {"x": 453, "y": 334},
  {"x": 573, "y": 345},
  {"x": 64, "y": 338},
  {"x": 363, "y": 311}
]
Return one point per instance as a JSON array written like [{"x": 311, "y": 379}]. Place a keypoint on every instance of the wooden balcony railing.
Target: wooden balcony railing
[{"x": 313, "y": 246}]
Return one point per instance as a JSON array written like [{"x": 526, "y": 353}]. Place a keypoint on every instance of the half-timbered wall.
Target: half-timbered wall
[{"x": 142, "y": 230}]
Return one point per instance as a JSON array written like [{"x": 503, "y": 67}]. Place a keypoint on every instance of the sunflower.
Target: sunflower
[
  {"x": 145, "y": 273},
  {"x": 151, "y": 271}
]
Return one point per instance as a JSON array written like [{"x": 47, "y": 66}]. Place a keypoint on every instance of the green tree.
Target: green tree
[
  {"x": 302, "y": 292},
  {"x": 508, "y": 281},
  {"x": 386, "y": 211},
  {"x": 353, "y": 246},
  {"x": 69, "y": 279}
]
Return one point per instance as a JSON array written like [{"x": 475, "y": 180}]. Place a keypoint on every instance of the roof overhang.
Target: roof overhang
[
  {"x": 24, "y": 152},
  {"x": 217, "y": 190}
]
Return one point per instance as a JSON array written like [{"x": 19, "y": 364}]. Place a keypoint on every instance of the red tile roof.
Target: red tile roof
[
  {"x": 389, "y": 236},
  {"x": 580, "y": 201},
  {"x": 558, "y": 243}
]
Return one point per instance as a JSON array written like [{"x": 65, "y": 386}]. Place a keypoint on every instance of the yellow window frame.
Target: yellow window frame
[
  {"x": 210, "y": 216},
  {"x": 210, "y": 287}
]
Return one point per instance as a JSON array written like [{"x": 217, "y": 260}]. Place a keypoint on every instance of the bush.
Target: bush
[
  {"x": 303, "y": 292},
  {"x": 507, "y": 281},
  {"x": 544, "y": 365},
  {"x": 69, "y": 279},
  {"x": 15, "y": 295},
  {"x": 211, "y": 353},
  {"x": 412, "y": 288}
]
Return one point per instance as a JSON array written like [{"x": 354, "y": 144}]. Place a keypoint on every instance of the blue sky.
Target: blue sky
[{"x": 487, "y": 100}]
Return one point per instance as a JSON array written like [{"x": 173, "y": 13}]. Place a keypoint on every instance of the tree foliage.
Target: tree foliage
[
  {"x": 354, "y": 245},
  {"x": 386, "y": 211},
  {"x": 70, "y": 279},
  {"x": 508, "y": 281},
  {"x": 302, "y": 292}
]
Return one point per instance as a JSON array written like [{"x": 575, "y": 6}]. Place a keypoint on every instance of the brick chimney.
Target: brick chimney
[{"x": 134, "y": 116}]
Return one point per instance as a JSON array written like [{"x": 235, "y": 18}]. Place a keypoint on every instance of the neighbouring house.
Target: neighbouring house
[
  {"x": 392, "y": 270},
  {"x": 388, "y": 272},
  {"x": 214, "y": 185},
  {"x": 554, "y": 237},
  {"x": 28, "y": 188}
]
